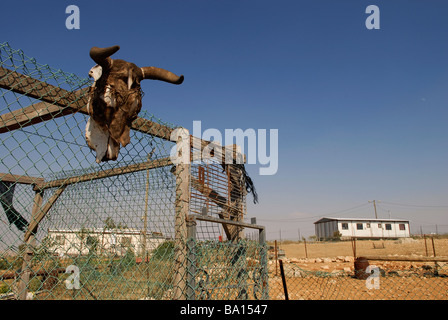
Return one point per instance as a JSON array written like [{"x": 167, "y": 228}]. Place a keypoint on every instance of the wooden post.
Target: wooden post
[
  {"x": 275, "y": 256},
  {"x": 436, "y": 265},
  {"x": 41, "y": 212},
  {"x": 433, "y": 247},
  {"x": 182, "y": 208},
  {"x": 263, "y": 262},
  {"x": 191, "y": 262},
  {"x": 426, "y": 246},
  {"x": 144, "y": 252},
  {"x": 145, "y": 218},
  {"x": 30, "y": 243},
  {"x": 354, "y": 247},
  {"x": 306, "y": 250}
]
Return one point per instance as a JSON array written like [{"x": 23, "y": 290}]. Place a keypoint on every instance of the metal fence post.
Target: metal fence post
[
  {"x": 191, "y": 258},
  {"x": 263, "y": 263}
]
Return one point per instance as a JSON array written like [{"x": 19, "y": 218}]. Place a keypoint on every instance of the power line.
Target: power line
[
  {"x": 305, "y": 219},
  {"x": 414, "y": 205},
  {"x": 319, "y": 216}
]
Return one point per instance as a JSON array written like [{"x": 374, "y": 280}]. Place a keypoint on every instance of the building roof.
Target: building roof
[
  {"x": 97, "y": 231},
  {"x": 326, "y": 219}
]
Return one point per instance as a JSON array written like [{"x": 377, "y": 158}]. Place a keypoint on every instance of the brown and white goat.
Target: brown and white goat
[{"x": 115, "y": 99}]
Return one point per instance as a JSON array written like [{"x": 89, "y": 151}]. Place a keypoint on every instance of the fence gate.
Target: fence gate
[{"x": 225, "y": 270}]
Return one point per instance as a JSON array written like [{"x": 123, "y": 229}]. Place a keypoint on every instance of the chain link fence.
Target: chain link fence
[
  {"x": 125, "y": 229},
  {"x": 417, "y": 276}
]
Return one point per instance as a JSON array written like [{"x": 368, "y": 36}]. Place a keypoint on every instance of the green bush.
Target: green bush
[
  {"x": 164, "y": 251},
  {"x": 117, "y": 267},
  {"x": 4, "y": 288},
  {"x": 35, "y": 284},
  {"x": 129, "y": 258},
  {"x": 336, "y": 236},
  {"x": 4, "y": 265}
]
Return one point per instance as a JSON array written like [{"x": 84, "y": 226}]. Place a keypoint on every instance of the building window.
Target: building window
[
  {"x": 402, "y": 226},
  {"x": 359, "y": 226},
  {"x": 388, "y": 226},
  {"x": 344, "y": 226}
]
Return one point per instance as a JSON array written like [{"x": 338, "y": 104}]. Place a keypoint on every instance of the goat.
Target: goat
[{"x": 115, "y": 99}]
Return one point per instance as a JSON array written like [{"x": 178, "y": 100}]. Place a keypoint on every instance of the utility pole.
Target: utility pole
[{"x": 374, "y": 207}]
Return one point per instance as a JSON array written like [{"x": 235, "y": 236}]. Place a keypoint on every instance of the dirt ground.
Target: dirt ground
[{"x": 328, "y": 272}]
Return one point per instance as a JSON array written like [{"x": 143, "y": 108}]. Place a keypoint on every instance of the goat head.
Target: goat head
[{"x": 115, "y": 99}]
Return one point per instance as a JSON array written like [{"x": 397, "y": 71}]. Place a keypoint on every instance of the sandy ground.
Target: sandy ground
[{"x": 328, "y": 272}]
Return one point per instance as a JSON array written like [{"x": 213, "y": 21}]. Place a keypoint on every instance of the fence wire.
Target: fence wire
[
  {"x": 74, "y": 229},
  {"x": 375, "y": 277}
]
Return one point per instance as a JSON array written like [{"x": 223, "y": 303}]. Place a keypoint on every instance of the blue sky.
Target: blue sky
[{"x": 361, "y": 114}]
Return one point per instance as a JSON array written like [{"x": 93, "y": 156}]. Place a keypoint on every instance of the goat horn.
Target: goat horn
[
  {"x": 102, "y": 55},
  {"x": 155, "y": 73}
]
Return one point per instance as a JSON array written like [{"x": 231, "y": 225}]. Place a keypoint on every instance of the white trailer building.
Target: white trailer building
[
  {"x": 361, "y": 228},
  {"x": 103, "y": 241}
]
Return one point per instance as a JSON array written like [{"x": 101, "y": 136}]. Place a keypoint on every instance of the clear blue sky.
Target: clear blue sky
[{"x": 362, "y": 114}]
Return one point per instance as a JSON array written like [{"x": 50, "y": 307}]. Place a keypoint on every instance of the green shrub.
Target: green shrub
[
  {"x": 117, "y": 267},
  {"x": 129, "y": 258},
  {"x": 4, "y": 265},
  {"x": 35, "y": 284},
  {"x": 4, "y": 288},
  {"x": 164, "y": 251}
]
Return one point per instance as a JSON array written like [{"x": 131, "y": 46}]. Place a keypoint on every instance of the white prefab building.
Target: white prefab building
[
  {"x": 102, "y": 241},
  {"x": 361, "y": 228}
]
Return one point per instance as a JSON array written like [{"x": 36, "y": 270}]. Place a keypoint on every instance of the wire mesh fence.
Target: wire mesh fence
[
  {"x": 383, "y": 275},
  {"x": 74, "y": 229}
]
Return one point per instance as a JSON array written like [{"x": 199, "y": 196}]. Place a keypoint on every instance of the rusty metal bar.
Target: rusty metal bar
[{"x": 285, "y": 287}]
